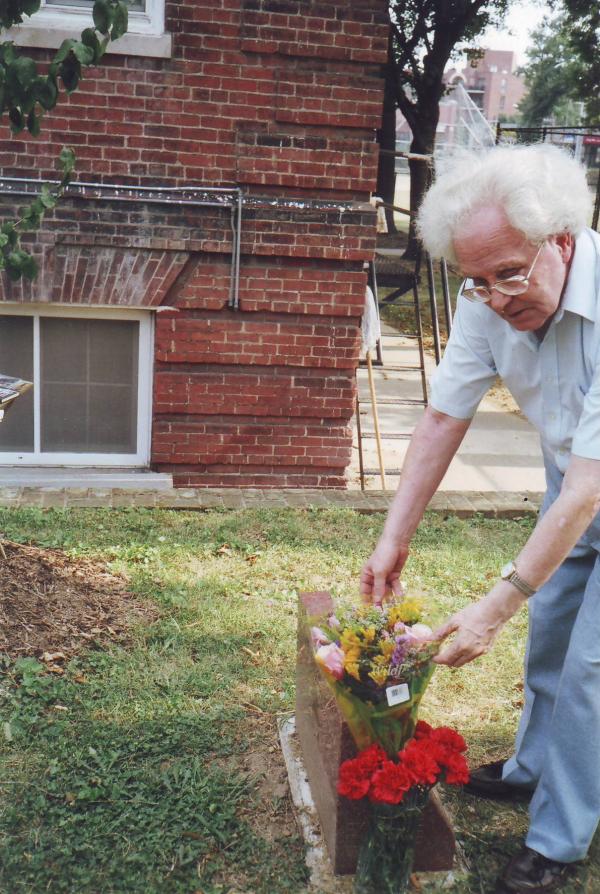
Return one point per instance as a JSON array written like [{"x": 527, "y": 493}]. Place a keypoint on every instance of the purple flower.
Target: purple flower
[{"x": 400, "y": 652}]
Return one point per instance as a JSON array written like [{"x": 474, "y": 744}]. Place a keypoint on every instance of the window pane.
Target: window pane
[
  {"x": 16, "y": 359},
  {"x": 89, "y": 385},
  {"x": 89, "y": 3}
]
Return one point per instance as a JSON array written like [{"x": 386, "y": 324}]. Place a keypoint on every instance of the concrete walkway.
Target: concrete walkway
[{"x": 500, "y": 453}]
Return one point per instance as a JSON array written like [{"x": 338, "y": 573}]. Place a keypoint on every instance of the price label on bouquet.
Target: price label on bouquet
[{"x": 397, "y": 694}]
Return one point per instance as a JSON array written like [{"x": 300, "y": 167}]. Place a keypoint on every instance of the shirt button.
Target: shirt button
[{"x": 551, "y": 416}]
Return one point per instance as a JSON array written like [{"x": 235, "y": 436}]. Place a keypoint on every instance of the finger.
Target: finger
[
  {"x": 445, "y": 630},
  {"x": 366, "y": 582}
]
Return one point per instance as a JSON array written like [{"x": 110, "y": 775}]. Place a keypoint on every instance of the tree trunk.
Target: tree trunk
[
  {"x": 421, "y": 172},
  {"x": 386, "y": 137}
]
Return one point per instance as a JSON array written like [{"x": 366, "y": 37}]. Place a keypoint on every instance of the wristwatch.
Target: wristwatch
[{"x": 509, "y": 573}]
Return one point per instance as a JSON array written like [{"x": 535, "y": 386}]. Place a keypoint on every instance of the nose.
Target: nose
[{"x": 499, "y": 302}]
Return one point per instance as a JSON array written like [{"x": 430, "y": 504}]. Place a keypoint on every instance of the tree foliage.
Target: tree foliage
[
  {"x": 26, "y": 93},
  {"x": 563, "y": 66},
  {"x": 425, "y": 35}
]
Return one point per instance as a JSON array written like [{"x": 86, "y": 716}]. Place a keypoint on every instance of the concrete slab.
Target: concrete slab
[{"x": 86, "y": 477}]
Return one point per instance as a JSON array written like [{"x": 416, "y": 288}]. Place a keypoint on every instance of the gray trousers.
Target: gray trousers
[{"x": 557, "y": 750}]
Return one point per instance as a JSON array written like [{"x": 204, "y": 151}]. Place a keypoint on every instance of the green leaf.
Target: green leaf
[
  {"x": 67, "y": 159},
  {"x": 63, "y": 51},
  {"x": 17, "y": 121},
  {"x": 31, "y": 6},
  {"x": 46, "y": 93},
  {"x": 18, "y": 264},
  {"x": 90, "y": 39},
  {"x": 8, "y": 229},
  {"x": 24, "y": 70},
  {"x": 83, "y": 54},
  {"x": 70, "y": 73},
  {"x": 33, "y": 124},
  {"x": 3, "y": 240},
  {"x": 47, "y": 197},
  {"x": 120, "y": 21},
  {"x": 103, "y": 16}
]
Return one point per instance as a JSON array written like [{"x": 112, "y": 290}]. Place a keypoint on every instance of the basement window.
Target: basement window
[
  {"x": 90, "y": 404},
  {"x": 57, "y": 20}
]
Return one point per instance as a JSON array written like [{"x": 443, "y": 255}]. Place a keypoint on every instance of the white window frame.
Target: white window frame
[
  {"x": 144, "y": 403},
  {"x": 54, "y": 23}
]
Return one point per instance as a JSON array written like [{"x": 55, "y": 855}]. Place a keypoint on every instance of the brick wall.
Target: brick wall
[{"x": 281, "y": 98}]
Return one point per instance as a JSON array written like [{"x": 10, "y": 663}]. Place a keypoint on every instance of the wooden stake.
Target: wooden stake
[{"x": 376, "y": 420}]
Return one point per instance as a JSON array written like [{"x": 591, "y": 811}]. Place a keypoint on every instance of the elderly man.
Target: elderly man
[{"x": 513, "y": 221}]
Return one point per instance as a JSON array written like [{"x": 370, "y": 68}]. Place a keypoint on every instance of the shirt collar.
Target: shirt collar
[{"x": 580, "y": 291}]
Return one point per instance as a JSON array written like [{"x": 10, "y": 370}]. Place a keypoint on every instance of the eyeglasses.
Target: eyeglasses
[{"x": 514, "y": 285}]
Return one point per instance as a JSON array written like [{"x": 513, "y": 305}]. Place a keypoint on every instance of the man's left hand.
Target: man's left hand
[{"x": 477, "y": 626}]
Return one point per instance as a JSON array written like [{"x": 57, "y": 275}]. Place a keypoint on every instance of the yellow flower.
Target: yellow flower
[
  {"x": 387, "y": 647},
  {"x": 381, "y": 660},
  {"x": 379, "y": 675},
  {"x": 408, "y": 611},
  {"x": 351, "y": 667},
  {"x": 349, "y": 640},
  {"x": 369, "y": 634}
]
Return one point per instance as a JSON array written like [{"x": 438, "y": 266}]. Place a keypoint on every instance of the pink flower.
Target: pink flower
[
  {"x": 319, "y": 637},
  {"x": 420, "y": 631},
  {"x": 331, "y": 657},
  {"x": 333, "y": 621}
]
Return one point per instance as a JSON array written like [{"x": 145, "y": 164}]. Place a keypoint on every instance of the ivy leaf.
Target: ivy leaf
[
  {"x": 19, "y": 263},
  {"x": 120, "y": 21},
  {"x": 62, "y": 52},
  {"x": 17, "y": 121},
  {"x": 90, "y": 39},
  {"x": 46, "y": 93},
  {"x": 31, "y": 6},
  {"x": 47, "y": 197},
  {"x": 82, "y": 53},
  {"x": 103, "y": 16},
  {"x": 70, "y": 73},
  {"x": 33, "y": 124},
  {"x": 67, "y": 160}
]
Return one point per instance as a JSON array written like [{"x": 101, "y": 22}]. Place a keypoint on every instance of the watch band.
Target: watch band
[{"x": 510, "y": 574}]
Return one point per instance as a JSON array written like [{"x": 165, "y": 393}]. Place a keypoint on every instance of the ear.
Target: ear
[{"x": 565, "y": 244}]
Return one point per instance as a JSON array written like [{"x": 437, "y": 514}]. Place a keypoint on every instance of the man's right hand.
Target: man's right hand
[{"x": 380, "y": 576}]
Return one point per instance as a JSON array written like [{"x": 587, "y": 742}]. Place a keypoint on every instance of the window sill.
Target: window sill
[{"x": 158, "y": 46}]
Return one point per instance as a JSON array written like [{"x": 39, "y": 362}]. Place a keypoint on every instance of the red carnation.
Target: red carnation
[
  {"x": 457, "y": 770},
  {"x": 390, "y": 783},
  {"x": 449, "y": 738},
  {"x": 420, "y": 763},
  {"x": 422, "y": 730},
  {"x": 371, "y": 758},
  {"x": 353, "y": 782}
]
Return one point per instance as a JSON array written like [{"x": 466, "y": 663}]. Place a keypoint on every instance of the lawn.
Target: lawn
[{"x": 151, "y": 763}]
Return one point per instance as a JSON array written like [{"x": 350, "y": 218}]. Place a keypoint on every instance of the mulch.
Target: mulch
[{"x": 52, "y": 605}]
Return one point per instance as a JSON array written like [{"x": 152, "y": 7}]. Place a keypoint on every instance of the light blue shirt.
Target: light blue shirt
[{"x": 555, "y": 382}]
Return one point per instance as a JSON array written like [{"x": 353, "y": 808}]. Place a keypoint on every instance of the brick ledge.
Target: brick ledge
[{"x": 462, "y": 504}]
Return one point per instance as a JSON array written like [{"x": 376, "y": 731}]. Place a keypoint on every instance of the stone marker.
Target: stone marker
[{"x": 326, "y": 741}]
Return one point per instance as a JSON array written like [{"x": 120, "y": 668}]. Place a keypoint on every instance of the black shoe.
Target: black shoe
[
  {"x": 532, "y": 873},
  {"x": 486, "y": 782}
]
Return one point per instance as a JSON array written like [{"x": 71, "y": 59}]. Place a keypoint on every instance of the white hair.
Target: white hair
[{"x": 541, "y": 188}]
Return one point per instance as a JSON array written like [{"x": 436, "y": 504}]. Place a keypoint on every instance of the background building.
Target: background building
[{"x": 198, "y": 305}]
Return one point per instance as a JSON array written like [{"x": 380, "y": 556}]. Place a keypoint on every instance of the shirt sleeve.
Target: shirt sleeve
[
  {"x": 467, "y": 369},
  {"x": 586, "y": 440}
]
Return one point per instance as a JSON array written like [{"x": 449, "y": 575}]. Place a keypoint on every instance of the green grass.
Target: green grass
[{"x": 143, "y": 778}]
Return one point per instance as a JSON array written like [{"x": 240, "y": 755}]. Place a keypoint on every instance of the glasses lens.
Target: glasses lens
[
  {"x": 516, "y": 285},
  {"x": 477, "y": 293}
]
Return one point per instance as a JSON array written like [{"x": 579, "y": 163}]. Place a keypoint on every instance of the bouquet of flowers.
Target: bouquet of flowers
[
  {"x": 378, "y": 661},
  {"x": 398, "y": 789}
]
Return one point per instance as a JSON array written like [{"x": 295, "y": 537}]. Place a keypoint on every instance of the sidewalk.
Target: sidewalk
[{"x": 500, "y": 453}]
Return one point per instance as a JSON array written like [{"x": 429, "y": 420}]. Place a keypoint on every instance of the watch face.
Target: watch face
[{"x": 507, "y": 570}]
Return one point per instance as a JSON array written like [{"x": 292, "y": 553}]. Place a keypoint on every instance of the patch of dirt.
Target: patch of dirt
[{"x": 51, "y": 605}]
